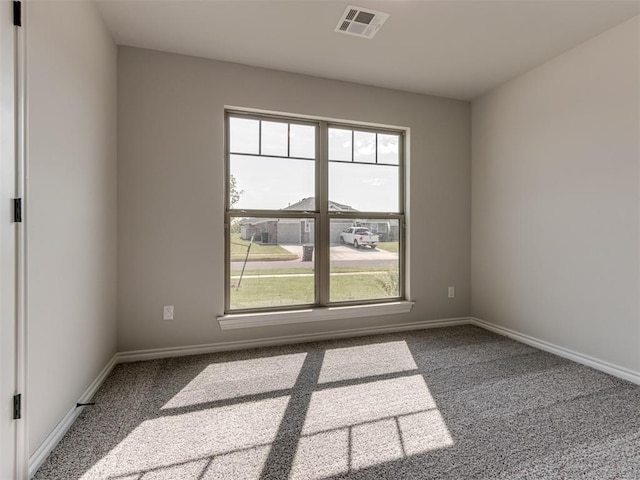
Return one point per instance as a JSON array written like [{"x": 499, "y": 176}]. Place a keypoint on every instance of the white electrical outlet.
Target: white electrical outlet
[
  {"x": 452, "y": 292},
  {"x": 167, "y": 312}
]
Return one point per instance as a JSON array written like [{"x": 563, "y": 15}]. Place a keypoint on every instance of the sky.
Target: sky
[{"x": 275, "y": 183}]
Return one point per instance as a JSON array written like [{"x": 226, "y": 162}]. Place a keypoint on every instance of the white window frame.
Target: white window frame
[{"x": 322, "y": 308}]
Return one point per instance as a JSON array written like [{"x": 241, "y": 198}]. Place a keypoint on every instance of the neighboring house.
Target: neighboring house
[
  {"x": 277, "y": 230},
  {"x": 293, "y": 230},
  {"x": 263, "y": 230},
  {"x": 301, "y": 230},
  {"x": 387, "y": 230}
]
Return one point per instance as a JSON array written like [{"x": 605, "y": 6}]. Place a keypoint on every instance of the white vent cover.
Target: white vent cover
[{"x": 361, "y": 22}]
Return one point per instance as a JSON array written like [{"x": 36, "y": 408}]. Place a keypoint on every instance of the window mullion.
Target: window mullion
[
  {"x": 227, "y": 207},
  {"x": 322, "y": 238}
]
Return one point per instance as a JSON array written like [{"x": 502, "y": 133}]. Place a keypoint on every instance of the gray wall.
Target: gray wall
[
  {"x": 170, "y": 191},
  {"x": 71, "y": 212},
  {"x": 555, "y": 200}
]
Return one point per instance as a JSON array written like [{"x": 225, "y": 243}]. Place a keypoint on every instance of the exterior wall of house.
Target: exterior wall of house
[{"x": 289, "y": 231}]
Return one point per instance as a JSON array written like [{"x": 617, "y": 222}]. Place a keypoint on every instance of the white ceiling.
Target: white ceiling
[{"x": 452, "y": 48}]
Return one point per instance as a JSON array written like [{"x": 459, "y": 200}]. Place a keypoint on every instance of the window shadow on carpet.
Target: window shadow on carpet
[{"x": 445, "y": 403}]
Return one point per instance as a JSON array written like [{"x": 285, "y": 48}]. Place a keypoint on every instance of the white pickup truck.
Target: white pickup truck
[{"x": 359, "y": 236}]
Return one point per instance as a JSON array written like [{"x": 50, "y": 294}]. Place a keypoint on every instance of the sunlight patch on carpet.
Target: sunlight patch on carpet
[
  {"x": 223, "y": 381},
  {"x": 375, "y": 443},
  {"x": 355, "y": 427},
  {"x": 243, "y": 465},
  {"x": 423, "y": 431},
  {"x": 354, "y": 404},
  {"x": 181, "y": 441},
  {"x": 366, "y": 361},
  {"x": 322, "y": 455}
]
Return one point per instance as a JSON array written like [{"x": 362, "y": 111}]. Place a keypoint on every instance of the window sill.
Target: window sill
[{"x": 264, "y": 319}]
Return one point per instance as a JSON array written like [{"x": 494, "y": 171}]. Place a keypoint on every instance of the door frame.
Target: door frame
[{"x": 13, "y": 375}]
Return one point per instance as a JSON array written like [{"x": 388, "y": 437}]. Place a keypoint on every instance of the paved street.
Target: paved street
[
  {"x": 341, "y": 256},
  {"x": 299, "y": 264},
  {"x": 347, "y": 252}
]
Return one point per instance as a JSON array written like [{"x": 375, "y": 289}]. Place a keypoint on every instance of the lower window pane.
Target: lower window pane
[
  {"x": 271, "y": 262},
  {"x": 364, "y": 256}
]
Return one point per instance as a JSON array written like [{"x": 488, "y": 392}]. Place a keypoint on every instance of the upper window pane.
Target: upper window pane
[
  {"x": 364, "y": 188},
  {"x": 364, "y": 147},
  {"x": 302, "y": 141},
  {"x": 274, "y": 137},
  {"x": 340, "y": 147},
  {"x": 267, "y": 183},
  {"x": 244, "y": 135},
  {"x": 388, "y": 150}
]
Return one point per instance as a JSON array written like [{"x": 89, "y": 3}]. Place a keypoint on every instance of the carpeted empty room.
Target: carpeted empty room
[
  {"x": 318, "y": 240},
  {"x": 457, "y": 402}
]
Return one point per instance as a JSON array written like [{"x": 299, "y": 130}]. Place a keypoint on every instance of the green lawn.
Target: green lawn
[
  {"x": 361, "y": 287},
  {"x": 308, "y": 270},
  {"x": 258, "y": 252},
  {"x": 273, "y": 292},
  {"x": 271, "y": 271}
]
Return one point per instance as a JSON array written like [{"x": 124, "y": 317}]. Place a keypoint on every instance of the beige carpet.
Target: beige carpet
[{"x": 448, "y": 403}]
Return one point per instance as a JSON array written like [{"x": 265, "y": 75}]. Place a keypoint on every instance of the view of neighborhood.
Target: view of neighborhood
[
  {"x": 296, "y": 230},
  {"x": 272, "y": 261}
]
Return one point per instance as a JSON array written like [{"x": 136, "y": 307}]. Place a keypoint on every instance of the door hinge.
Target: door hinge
[
  {"x": 17, "y": 14},
  {"x": 17, "y": 406},
  {"x": 17, "y": 210}
]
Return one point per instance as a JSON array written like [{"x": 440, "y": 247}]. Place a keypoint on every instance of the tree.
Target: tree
[
  {"x": 234, "y": 193},
  {"x": 234, "y": 197}
]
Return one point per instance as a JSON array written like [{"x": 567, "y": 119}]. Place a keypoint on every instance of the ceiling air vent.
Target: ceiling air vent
[{"x": 360, "y": 22}]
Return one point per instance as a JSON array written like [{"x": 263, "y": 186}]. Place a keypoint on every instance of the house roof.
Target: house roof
[{"x": 309, "y": 204}]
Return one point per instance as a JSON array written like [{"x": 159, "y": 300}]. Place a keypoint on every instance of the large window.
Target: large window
[{"x": 314, "y": 213}]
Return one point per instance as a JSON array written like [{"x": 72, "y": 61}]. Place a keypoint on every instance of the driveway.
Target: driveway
[{"x": 347, "y": 252}]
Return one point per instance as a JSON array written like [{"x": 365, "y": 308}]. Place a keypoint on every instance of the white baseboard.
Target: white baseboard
[
  {"x": 606, "y": 367},
  {"x": 49, "y": 443},
  {"x": 156, "y": 353}
]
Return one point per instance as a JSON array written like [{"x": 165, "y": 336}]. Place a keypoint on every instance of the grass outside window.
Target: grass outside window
[
  {"x": 258, "y": 252},
  {"x": 295, "y": 286}
]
